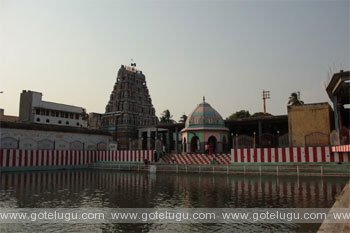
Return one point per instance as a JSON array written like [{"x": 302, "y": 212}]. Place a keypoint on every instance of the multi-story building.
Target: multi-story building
[
  {"x": 33, "y": 109},
  {"x": 129, "y": 107}
]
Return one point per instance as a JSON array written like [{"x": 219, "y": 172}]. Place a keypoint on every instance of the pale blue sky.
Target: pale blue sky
[{"x": 229, "y": 51}]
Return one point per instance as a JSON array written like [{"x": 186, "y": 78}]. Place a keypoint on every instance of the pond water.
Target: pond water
[{"x": 112, "y": 189}]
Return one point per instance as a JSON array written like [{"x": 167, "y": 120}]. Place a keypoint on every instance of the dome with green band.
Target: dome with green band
[{"x": 204, "y": 116}]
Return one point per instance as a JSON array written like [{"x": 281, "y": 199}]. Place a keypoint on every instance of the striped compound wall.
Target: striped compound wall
[
  {"x": 40, "y": 158},
  {"x": 342, "y": 148},
  {"x": 287, "y": 155},
  {"x": 223, "y": 159}
]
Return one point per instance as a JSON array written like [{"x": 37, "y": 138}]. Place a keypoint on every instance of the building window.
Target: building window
[
  {"x": 77, "y": 123},
  {"x": 71, "y": 116},
  {"x": 67, "y": 122},
  {"x": 47, "y": 112},
  {"x": 47, "y": 121},
  {"x": 57, "y": 114},
  {"x": 37, "y": 111},
  {"x": 62, "y": 114},
  {"x": 66, "y": 115},
  {"x": 77, "y": 116},
  {"x": 59, "y": 122},
  {"x": 38, "y": 119},
  {"x": 53, "y": 113}
]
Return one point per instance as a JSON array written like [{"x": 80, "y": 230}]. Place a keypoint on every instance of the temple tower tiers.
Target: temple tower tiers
[{"x": 129, "y": 107}]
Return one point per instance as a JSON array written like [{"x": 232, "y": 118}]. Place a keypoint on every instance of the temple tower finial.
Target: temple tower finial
[{"x": 203, "y": 98}]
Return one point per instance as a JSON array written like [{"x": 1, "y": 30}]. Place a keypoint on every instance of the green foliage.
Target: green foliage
[
  {"x": 245, "y": 114},
  {"x": 166, "y": 117},
  {"x": 239, "y": 115},
  {"x": 183, "y": 118},
  {"x": 261, "y": 114}
]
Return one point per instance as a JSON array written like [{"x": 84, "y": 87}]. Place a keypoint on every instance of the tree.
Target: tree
[
  {"x": 261, "y": 114},
  {"x": 294, "y": 99},
  {"x": 239, "y": 115},
  {"x": 183, "y": 118},
  {"x": 166, "y": 117}
]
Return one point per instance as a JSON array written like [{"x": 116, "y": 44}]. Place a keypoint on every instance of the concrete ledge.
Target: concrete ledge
[
  {"x": 342, "y": 201},
  {"x": 42, "y": 168}
]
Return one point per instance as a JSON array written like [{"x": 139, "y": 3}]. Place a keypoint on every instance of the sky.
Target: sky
[{"x": 227, "y": 51}]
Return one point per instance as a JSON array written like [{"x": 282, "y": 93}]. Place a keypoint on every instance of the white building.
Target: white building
[{"x": 34, "y": 110}]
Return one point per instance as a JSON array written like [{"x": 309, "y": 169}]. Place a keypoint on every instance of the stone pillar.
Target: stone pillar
[
  {"x": 260, "y": 133},
  {"x": 176, "y": 141},
  {"x": 336, "y": 117},
  {"x": 148, "y": 139},
  {"x": 167, "y": 148},
  {"x": 140, "y": 143},
  {"x": 219, "y": 148},
  {"x": 202, "y": 147}
]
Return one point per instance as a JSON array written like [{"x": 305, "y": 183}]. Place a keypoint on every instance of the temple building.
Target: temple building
[
  {"x": 129, "y": 107},
  {"x": 338, "y": 91},
  {"x": 205, "y": 131}
]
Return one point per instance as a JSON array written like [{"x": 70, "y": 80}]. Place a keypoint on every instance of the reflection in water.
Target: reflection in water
[{"x": 111, "y": 189}]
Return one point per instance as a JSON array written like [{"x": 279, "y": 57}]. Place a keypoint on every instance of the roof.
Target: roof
[
  {"x": 42, "y": 127},
  {"x": 259, "y": 118},
  {"x": 205, "y": 117},
  {"x": 339, "y": 85}
]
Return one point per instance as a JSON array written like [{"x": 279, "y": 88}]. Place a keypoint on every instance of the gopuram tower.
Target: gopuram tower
[{"x": 129, "y": 107}]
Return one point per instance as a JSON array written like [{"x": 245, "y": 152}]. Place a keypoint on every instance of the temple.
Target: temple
[
  {"x": 129, "y": 107},
  {"x": 205, "y": 131},
  {"x": 338, "y": 91}
]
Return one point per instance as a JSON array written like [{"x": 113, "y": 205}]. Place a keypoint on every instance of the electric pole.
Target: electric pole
[{"x": 265, "y": 96}]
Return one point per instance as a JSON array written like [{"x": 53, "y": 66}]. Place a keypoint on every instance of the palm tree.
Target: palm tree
[
  {"x": 183, "y": 118},
  {"x": 166, "y": 117},
  {"x": 294, "y": 99}
]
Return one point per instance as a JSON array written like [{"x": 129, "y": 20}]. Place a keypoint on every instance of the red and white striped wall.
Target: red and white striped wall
[
  {"x": 342, "y": 148},
  {"x": 223, "y": 159},
  {"x": 38, "y": 158},
  {"x": 130, "y": 156},
  {"x": 287, "y": 155}
]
